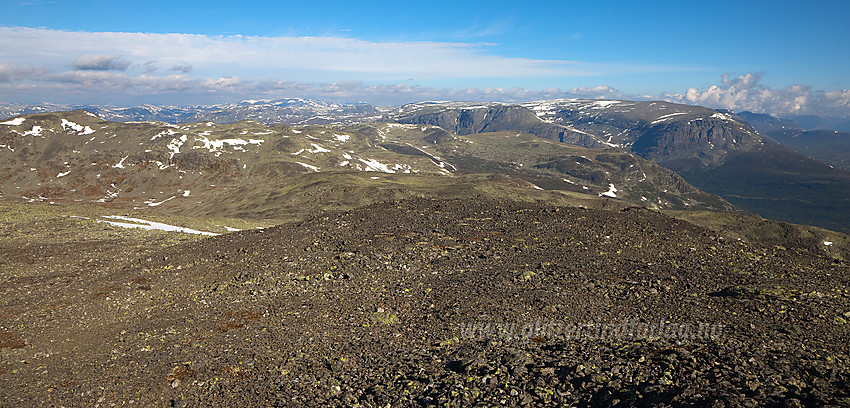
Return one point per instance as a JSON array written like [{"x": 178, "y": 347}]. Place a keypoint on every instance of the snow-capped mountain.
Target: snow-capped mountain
[{"x": 290, "y": 111}]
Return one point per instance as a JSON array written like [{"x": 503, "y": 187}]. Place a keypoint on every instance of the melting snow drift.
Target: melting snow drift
[
  {"x": 612, "y": 191},
  {"x": 150, "y": 225}
]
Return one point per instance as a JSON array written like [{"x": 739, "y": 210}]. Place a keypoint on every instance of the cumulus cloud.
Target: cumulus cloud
[
  {"x": 100, "y": 63},
  {"x": 747, "y": 93}
]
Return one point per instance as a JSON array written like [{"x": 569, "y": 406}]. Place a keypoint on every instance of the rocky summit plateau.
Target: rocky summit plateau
[{"x": 302, "y": 253}]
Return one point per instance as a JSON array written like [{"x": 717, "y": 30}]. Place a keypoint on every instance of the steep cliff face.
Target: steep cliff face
[
  {"x": 705, "y": 142},
  {"x": 680, "y": 135},
  {"x": 469, "y": 119},
  {"x": 660, "y": 131}
]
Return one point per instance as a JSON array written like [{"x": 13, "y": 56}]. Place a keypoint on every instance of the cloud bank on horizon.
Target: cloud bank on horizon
[
  {"x": 746, "y": 93},
  {"x": 45, "y": 65}
]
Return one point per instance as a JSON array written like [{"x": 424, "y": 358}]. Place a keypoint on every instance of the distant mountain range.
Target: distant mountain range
[
  {"x": 294, "y": 111},
  {"x": 740, "y": 157}
]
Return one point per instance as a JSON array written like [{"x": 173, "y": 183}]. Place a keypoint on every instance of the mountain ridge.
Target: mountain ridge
[{"x": 80, "y": 157}]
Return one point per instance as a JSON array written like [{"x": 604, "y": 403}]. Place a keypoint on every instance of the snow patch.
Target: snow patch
[
  {"x": 318, "y": 149},
  {"x": 604, "y": 104},
  {"x": 666, "y": 117},
  {"x": 150, "y": 225},
  {"x": 314, "y": 168},
  {"x": 80, "y": 129},
  {"x": 401, "y": 126},
  {"x": 175, "y": 144},
  {"x": 611, "y": 191},
  {"x": 374, "y": 165},
  {"x": 723, "y": 116},
  {"x": 215, "y": 146},
  {"x": 109, "y": 194},
  {"x": 63, "y": 174},
  {"x": 120, "y": 165},
  {"x": 35, "y": 131},
  {"x": 169, "y": 132},
  {"x": 14, "y": 122},
  {"x": 152, "y": 203}
]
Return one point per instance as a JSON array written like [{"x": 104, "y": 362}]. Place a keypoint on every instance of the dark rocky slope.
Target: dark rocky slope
[{"x": 399, "y": 303}]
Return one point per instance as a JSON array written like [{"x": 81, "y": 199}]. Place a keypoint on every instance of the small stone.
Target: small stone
[{"x": 793, "y": 403}]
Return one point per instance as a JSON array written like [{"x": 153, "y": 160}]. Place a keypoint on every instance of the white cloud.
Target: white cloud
[
  {"x": 745, "y": 92},
  {"x": 92, "y": 86},
  {"x": 258, "y": 58},
  {"x": 95, "y": 66}
]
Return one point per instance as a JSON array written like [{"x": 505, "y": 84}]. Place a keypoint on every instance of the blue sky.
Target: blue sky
[{"x": 778, "y": 56}]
